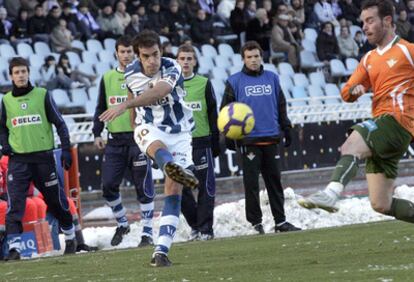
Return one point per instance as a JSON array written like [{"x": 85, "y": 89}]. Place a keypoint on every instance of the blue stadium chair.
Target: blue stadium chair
[
  {"x": 74, "y": 58},
  {"x": 218, "y": 86},
  {"x": 300, "y": 79},
  {"x": 225, "y": 50},
  {"x": 206, "y": 62},
  {"x": 90, "y": 107},
  {"x": 86, "y": 68},
  {"x": 163, "y": 39},
  {"x": 222, "y": 61},
  {"x": 310, "y": 34},
  {"x": 285, "y": 82},
  {"x": 286, "y": 68},
  {"x": 308, "y": 60},
  {"x": 315, "y": 92},
  {"x": 79, "y": 97},
  {"x": 198, "y": 53},
  {"x": 106, "y": 56},
  {"x": 102, "y": 67},
  {"x": 219, "y": 73},
  {"x": 34, "y": 76},
  {"x": 174, "y": 50},
  {"x": 89, "y": 57},
  {"x": 7, "y": 51},
  {"x": 94, "y": 45},
  {"x": 354, "y": 29},
  {"x": 317, "y": 78},
  {"x": 61, "y": 98},
  {"x": 299, "y": 93},
  {"x": 237, "y": 60},
  {"x": 4, "y": 65},
  {"x": 351, "y": 64},
  {"x": 366, "y": 98},
  {"x": 109, "y": 44},
  {"x": 78, "y": 44},
  {"x": 24, "y": 50},
  {"x": 338, "y": 69},
  {"x": 208, "y": 50},
  {"x": 270, "y": 67},
  {"x": 41, "y": 48},
  {"x": 333, "y": 94},
  {"x": 36, "y": 60},
  {"x": 233, "y": 69},
  {"x": 93, "y": 93},
  {"x": 309, "y": 45},
  {"x": 203, "y": 71}
]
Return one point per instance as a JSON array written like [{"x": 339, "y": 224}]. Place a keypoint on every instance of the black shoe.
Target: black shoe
[
  {"x": 259, "y": 228},
  {"x": 145, "y": 242},
  {"x": 13, "y": 255},
  {"x": 181, "y": 175},
  {"x": 70, "y": 247},
  {"x": 160, "y": 260},
  {"x": 286, "y": 227},
  {"x": 119, "y": 234},
  {"x": 86, "y": 248}
]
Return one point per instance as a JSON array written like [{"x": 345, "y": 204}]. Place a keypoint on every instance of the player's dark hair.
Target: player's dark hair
[
  {"x": 385, "y": 8},
  {"x": 187, "y": 48},
  {"x": 18, "y": 62},
  {"x": 251, "y": 45},
  {"x": 124, "y": 41},
  {"x": 146, "y": 38}
]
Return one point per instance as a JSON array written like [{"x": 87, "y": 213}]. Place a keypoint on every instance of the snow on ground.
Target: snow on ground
[{"x": 229, "y": 219}]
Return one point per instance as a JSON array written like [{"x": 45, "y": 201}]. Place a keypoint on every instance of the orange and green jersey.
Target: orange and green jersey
[{"x": 389, "y": 73}]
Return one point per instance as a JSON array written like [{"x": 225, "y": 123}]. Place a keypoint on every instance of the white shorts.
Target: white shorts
[{"x": 179, "y": 144}]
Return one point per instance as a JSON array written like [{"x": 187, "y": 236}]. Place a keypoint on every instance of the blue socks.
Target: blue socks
[{"x": 162, "y": 156}]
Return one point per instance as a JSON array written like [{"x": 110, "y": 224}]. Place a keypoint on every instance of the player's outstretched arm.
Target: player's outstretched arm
[
  {"x": 148, "y": 97},
  {"x": 358, "y": 83}
]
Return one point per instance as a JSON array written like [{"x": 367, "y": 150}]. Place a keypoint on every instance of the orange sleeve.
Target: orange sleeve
[{"x": 360, "y": 76}]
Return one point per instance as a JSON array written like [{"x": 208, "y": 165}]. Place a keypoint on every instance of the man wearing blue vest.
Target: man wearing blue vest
[
  {"x": 260, "y": 90},
  {"x": 121, "y": 152},
  {"x": 26, "y": 136}
]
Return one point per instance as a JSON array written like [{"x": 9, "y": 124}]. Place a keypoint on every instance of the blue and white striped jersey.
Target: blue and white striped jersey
[{"x": 169, "y": 114}]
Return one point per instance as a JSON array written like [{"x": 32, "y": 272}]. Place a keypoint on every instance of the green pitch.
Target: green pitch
[{"x": 382, "y": 251}]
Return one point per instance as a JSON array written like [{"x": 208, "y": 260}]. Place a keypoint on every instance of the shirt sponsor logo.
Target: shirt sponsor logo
[
  {"x": 26, "y": 120},
  {"x": 116, "y": 100},
  {"x": 195, "y": 106},
  {"x": 258, "y": 90},
  {"x": 161, "y": 102}
]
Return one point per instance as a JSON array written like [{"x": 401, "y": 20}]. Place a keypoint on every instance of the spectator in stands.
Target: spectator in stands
[
  {"x": 347, "y": 45},
  {"x": 53, "y": 18},
  {"x": 336, "y": 8},
  {"x": 180, "y": 37},
  {"x": 410, "y": 11},
  {"x": 65, "y": 68},
  {"x": 132, "y": 6},
  {"x": 174, "y": 17},
  {"x": 122, "y": 15},
  {"x": 156, "y": 20},
  {"x": 166, "y": 48},
  {"x": 399, "y": 5},
  {"x": 350, "y": 12},
  {"x": 207, "y": 6},
  {"x": 38, "y": 27},
  {"x": 51, "y": 79},
  {"x": 88, "y": 27},
  {"x": 250, "y": 11},
  {"x": 359, "y": 39},
  {"x": 48, "y": 5},
  {"x": 61, "y": 39},
  {"x": 311, "y": 19},
  {"x": 72, "y": 21},
  {"x": 283, "y": 40},
  {"x": 12, "y": 7},
  {"x": 296, "y": 32},
  {"x": 134, "y": 26},
  {"x": 324, "y": 12},
  {"x": 260, "y": 150},
  {"x": 20, "y": 29},
  {"x": 298, "y": 13},
  {"x": 259, "y": 29},
  {"x": 403, "y": 27},
  {"x": 268, "y": 6},
  {"x": 192, "y": 8},
  {"x": 108, "y": 22},
  {"x": 5, "y": 26},
  {"x": 326, "y": 44},
  {"x": 238, "y": 21},
  {"x": 202, "y": 29},
  {"x": 224, "y": 9}
]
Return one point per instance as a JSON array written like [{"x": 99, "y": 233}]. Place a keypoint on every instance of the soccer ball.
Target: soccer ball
[{"x": 235, "y": 120}]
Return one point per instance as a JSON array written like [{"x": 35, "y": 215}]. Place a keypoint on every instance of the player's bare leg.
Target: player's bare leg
[{"x": 353, "y": 150}]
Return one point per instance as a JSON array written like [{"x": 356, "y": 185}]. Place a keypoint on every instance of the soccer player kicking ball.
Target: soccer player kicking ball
[
  {"x": 382, "y": 141},
  {"x": 163, "y": 128}
]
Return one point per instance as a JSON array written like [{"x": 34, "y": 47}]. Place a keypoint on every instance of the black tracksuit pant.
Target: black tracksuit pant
[
  {"x": 199, "y": 214},
  {"x": 262, "y": 159}
]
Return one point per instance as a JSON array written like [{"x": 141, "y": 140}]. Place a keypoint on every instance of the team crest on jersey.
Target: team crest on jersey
[
  {"x": 391, "y": 62},
  {"x": 195, "y": 106},
  {"x": 258, "y": 90},
  {"x": 116, "y": 100},
  {"x": 123, "y": 86},
  {"x": 23, "y": 106},
  {"x": 26, "y": 120}
]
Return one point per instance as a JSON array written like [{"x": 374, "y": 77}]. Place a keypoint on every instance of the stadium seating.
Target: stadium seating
[
  {"x": 300, "y": 79},
  {"x": 102, "y": 67},
  {"x": 109, "y": 44},
  {"x": 351, "y": 64},
  {"x": 78, "y": 44},
  {"x": 225, "y": 50},
  {"x": 61, "y": 98},
  {"x": 86, "y": 68},
  {"x": 106, "y": 56},
  {"x": 208, "y": 50},
  {"x": 74, "y": 58},
  {"x": 222, "y": 61},
  {"x": 338, "y": 69},
  {"x": 310, "y": 34},
  {"x": 270, "y": 67},
  {"x": 286, "y": 68},
  {"x": 36, "y": 61},
  {"x": 219, "y": 73},
  {"x": 94, "y": 45},
  {"x": 309, "y": 45},
  {"x": 317, "y": 78},
  {"x": 308, "y": 60},
  {"x": 93, "y": 93},
  {"x": 24, "y": 50},
  {"x": 42, "y": 49},
  {"x": 7, "y": 51}
]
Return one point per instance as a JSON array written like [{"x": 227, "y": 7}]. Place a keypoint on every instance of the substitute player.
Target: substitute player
[
  {"x": 163, "y": 130},
  {"x": 382, "y": 141},
  {"x": 200, "y": 97},
  {"x": 121, "y": 152}
]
